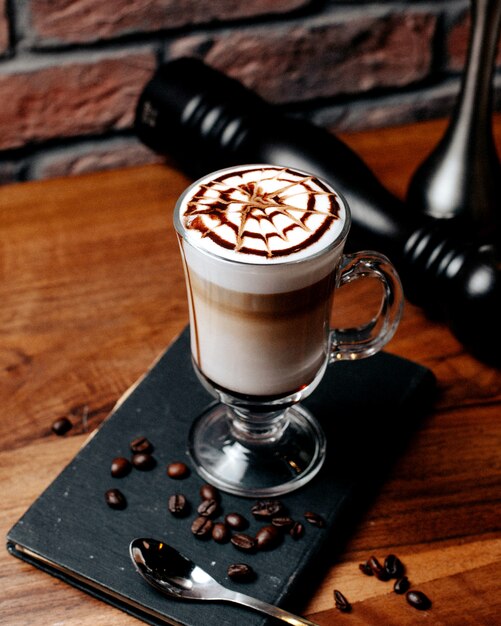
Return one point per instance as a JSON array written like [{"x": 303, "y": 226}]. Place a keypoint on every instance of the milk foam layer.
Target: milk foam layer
[{"x": 261, "y": 214}]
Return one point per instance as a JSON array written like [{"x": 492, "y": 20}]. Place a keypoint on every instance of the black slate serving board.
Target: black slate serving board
[{"x": 368, "y": 409}]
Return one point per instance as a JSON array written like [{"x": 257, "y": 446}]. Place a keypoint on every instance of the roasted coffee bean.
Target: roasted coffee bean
[
  {"x": 378, "y": 569},
  {"x": 115, "y": 499},
  {"x": 241, "y": 572},
  {"x": 141, "y": 444},
  {"x": 208, "y": 492},
  {"x": 365, "y": 568},
  {"x": 393, "y": 566},
  {"x": 236, "y": 521},
  {"x": 342, "y": 603},
  {"x": 314, "y": 519},
  {"x": 282, "y": 522},
  {"x": 178, "y": 505},
  {"x": 143, "y": 461},
  {"x": 266, "y": 509},
  {"x": 202, "y": 527},
  {"x": 418, "y": 600},
  {"x": 61, "y": 426},
  {"x": 401, "y": 585},
  {"x": 220, "y": 532},
  {"x": 244, "y": 542},
  {"x": 268, "y": 537},
  {"x": 208, "y": 508},
  {"x": 120, "y": 467},
  {"x": 177, "y": 470},
  {"x": 297, "y": 530}
]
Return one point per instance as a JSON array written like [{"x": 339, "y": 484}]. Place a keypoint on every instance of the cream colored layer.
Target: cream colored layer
[{"x": 260, "y": 345}]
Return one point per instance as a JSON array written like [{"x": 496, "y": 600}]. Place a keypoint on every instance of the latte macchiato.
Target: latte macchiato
[{"x": 261, "y": 246}]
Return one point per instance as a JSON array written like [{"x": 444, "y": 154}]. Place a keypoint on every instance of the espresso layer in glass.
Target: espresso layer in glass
[{"x": 271, "y": 344}]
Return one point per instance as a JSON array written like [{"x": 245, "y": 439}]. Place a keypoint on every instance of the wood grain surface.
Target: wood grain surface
[{"x": 91, "y": 291}]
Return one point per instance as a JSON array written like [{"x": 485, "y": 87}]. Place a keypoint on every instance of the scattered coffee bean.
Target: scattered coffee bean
[
  {"x": 208, "y": 508},
  {"x": 241, "y": 572},
  {"x": 314, "y": 519},
  {"x": 342, "y": 603},
  {"x": 178, "y": 505},
  {"x": 115, "y": 499},
  {"x": 61, "y": 426},
  {"x": 244, "y": 542},
  {"x": 283, "y": 522},
  {"x": 143, "y": 461},
  {"x": 177, "y": 470},
  {"x": 208, "y": 492},
  {"x": 268, "y": 537},
  {"x": 236, "y": 521},
  {"x": 141, "y": 444},
  {"x": 297, "y": 530},
  {"x": 377, "y": 569},
  {"x": 266, "y": 509},
  {"x": 202, "y": 527},
  {"x": 401, "y": 585},
  {"x": 393, "y": 566},
  {"x": 365, "y": 568},
  {"x": 120, "y": 467},
  {"x": 220, "y": 532},
  {"x": 418, "y": 600}
]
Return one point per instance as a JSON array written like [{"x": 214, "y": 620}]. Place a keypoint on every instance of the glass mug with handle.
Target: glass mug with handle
[{"x": 262, "y": 249}]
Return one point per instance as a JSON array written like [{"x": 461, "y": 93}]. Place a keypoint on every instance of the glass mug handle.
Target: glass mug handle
[{"x": 365, "y": 340}]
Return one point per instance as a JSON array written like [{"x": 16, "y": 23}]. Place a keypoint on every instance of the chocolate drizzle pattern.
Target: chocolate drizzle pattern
[{"x": 262, "y": 209}]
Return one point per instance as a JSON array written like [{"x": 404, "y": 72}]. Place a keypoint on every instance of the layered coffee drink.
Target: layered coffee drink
[{"x": 261, "y": 246}]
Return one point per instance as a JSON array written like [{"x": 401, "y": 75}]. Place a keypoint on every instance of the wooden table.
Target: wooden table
[{"x": 92, "y": 291}]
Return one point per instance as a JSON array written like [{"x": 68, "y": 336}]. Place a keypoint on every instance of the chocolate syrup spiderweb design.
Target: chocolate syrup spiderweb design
[{"x": 270, "y": 213}]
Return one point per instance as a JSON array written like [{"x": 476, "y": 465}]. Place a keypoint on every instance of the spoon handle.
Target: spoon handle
[{"x": 268, "y": 609}]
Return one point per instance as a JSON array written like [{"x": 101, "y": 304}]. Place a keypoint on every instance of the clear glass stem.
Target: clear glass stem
[
  {"x": 257, "y": 429},
  {"x": 257, "y": 454}
]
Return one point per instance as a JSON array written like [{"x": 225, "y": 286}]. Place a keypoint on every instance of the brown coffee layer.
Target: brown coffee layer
[{"x": 262, "y": 306}]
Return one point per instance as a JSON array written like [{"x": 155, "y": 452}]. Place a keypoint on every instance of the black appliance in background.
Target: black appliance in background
[{"x": 206, "y": 121}]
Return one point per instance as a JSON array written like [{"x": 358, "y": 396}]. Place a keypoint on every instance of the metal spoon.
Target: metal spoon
[{"x": 174, "y": 574}]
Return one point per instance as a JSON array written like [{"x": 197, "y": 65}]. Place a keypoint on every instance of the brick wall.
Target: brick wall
[{"x": 71, "y": 70}]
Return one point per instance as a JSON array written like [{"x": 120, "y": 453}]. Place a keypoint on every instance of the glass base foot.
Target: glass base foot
[{"x": 257, "y": 467}]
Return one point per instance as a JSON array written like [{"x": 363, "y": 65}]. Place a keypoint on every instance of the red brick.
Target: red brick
[
  {"x": 321, "y": 58},
  {"x": 4, "y": 27},
  {"x": 457, "y": 44},
  {"x": 72, "y": 21},
  {"x": 94, "y": 157},
  {"x": 78, "y": 97}
]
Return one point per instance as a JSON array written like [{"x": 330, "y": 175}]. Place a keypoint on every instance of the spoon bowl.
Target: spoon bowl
[
  {"x": 177, "y": 576},
  {"x": 171, "y": 572}
]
